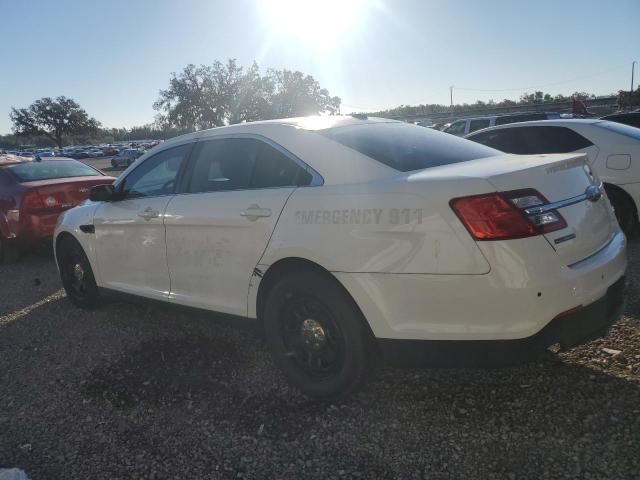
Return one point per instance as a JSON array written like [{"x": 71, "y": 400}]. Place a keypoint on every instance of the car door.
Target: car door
[
  {"x": 218, "y": 229},
  {"x": 130, "y": 235}
]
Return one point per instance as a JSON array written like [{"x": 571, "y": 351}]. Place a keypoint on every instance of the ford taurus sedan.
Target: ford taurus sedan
[{"x": 348, "y": 238}]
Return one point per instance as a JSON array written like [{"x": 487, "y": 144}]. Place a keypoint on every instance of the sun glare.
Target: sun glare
[{"x": 320, "y": 24}]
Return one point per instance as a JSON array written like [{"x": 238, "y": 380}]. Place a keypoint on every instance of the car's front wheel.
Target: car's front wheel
[
  {"x": 317, "y": 335},
  {"x": 77, "y": 275}
]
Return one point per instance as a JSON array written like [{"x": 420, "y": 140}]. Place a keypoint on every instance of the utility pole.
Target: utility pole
[
  {"x": 451, "y": 95},
  {"x": 633, "y": 66}
]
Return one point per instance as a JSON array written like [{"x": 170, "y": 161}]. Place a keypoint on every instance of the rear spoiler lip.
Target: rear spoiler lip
[{"x": 471, "y": 168}]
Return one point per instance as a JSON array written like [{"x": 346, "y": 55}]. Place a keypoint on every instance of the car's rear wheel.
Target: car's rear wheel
[
  {"x": 624, "y": 209},
  {"x": 77, "y": 275},
  {"x": 9, "y": 251},
  {"x": 317, "y": 335}
]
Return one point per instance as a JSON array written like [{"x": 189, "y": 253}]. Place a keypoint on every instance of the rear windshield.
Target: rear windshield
[
  {"x": 32, "y": 171},
  {"x": 621, "y": 128},
  {"x": 407, "y": 147}
]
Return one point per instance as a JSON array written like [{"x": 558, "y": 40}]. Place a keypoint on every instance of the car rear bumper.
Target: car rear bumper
[
  {"x": 35, "y": 228},
  {"x": 572, "y": 329},
  {"x": 527, "y": 287}
]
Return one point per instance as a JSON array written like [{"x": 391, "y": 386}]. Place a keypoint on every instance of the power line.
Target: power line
[{"x": 530, "y": 87}]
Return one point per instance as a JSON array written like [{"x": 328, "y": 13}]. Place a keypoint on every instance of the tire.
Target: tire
[
  {"x": 77, "y": 275},
  {"x": 317, "y": 335},
  {"x": 9, "y": 251},
  {"x": 624, "y": 209}
]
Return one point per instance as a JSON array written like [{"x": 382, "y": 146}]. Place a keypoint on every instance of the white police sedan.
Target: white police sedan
[{"x": 350, "y": 237}]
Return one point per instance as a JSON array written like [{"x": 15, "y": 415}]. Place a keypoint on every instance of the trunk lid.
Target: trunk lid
[
  {"x": 68, "y": 192},
  {"x": 590, "y": 223}
]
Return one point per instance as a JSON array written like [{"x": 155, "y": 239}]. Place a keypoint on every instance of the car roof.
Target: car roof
[{"x": 311, "y": 123}]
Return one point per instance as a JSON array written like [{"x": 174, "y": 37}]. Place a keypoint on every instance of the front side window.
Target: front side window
[
  {"x": 407, "y": 147},
  {"x": 155, "y": 176},
  {"x": 243, "y": 163}
]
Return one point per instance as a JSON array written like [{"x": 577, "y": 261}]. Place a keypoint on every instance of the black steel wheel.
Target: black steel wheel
[
  {"x": 311, "y": 336},
  {"x": 317, "y": 335},
  {"x": 77, "y": 276}
]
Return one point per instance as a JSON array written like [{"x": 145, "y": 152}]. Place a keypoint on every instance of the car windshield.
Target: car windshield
[
  {"x": 31, "y": 171},
  {"x": 407, "y": 147},
  {"x": 622, "y": 129}
]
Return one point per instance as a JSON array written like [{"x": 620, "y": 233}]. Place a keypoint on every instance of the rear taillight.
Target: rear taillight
[
  {"x": 34, "y": 202},
  {"x": 503, "y": 216}
]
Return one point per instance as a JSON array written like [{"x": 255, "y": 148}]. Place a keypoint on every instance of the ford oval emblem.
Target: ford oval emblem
[{"x": 593, "y": 193}]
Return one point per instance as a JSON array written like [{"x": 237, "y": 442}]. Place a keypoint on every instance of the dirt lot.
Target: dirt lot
[{"x": 132, "y": 391}]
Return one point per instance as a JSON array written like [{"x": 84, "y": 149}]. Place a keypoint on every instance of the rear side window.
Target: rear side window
[
  {"x": 533, "y": 140},
  {"x": 407, "y": 147},
  {"x": 32, "y": 171},
  {"x": 243, "y": 163},
  {"x": 478, "y": 124},
  {"x": 274, "y": 169},
  {"x": 542, "y": 139}
]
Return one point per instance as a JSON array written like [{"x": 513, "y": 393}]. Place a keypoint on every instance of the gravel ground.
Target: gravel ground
[{"x": 131, "y": 391}]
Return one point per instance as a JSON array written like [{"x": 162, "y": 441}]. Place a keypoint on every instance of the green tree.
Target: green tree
[
  {"x": 296, "y": 94},
  {"x": 54, "y": 119},
  {"x": 208, "y": 96}
]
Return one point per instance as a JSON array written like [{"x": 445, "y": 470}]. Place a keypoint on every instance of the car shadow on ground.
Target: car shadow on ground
[{"x": 152, "y": 383}]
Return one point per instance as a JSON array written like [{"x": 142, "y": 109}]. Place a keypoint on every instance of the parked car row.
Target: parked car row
[{"x": 90, "y": 151}]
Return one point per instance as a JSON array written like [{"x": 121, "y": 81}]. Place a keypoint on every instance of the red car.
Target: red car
[{"x": 33, "y": 194}]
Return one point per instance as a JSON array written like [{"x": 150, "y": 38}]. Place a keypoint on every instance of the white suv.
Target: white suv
[{"x": 347, "y": 237}]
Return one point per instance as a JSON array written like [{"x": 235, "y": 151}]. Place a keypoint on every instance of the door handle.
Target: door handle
[
  {"x": 149, "y": 213},
  {"x": 254, "y": 212}
]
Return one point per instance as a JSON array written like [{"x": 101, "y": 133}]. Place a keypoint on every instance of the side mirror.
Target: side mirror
[{"x": 102, "y": 193}]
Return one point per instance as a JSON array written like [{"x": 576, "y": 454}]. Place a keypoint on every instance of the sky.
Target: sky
[{"x": 113, "y": 57}]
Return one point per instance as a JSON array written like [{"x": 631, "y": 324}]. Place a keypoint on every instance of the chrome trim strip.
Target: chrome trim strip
[{"x": 556, "y": 205}]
